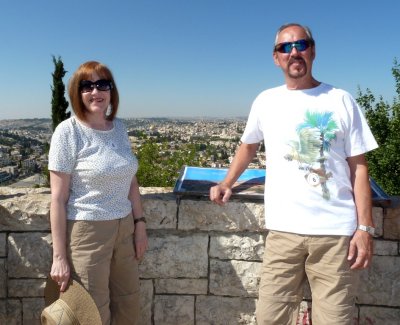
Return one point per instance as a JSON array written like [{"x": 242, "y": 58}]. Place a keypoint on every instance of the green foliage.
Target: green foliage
[
  {"x": 59, "y": 104},
  {"x": 384, "y": 120},
  {"x": 159, "y": 166}
]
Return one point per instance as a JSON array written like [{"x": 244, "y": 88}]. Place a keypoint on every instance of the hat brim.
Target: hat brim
[{"x": 77, "y": 298}]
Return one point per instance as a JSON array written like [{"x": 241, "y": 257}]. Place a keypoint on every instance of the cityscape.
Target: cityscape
[{"x": 24, "y": 144}]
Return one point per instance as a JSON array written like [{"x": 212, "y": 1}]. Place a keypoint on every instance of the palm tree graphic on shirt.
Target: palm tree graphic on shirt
[{"x": 315, "y": 135}]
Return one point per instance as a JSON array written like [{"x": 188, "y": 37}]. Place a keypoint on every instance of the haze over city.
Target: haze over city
[{"x": 189, "y": 58}]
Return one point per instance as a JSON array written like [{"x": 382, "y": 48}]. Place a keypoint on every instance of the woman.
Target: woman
[{"x": 97, "y": 223}]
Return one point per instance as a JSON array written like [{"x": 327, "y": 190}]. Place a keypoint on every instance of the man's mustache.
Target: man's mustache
[{"x": 296, "y": 60}]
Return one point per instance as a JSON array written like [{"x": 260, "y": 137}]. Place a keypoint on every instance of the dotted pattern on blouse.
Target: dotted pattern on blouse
[{"x": 101, "y": 164}]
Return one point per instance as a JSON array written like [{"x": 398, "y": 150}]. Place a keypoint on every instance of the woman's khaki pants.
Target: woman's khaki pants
[{"x": 102, "y": 258}]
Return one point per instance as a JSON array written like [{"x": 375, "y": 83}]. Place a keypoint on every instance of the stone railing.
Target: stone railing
[{"x": 202, "y": 265}]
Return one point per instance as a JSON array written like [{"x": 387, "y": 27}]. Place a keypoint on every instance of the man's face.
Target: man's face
[{"x": 295, "y": 64}]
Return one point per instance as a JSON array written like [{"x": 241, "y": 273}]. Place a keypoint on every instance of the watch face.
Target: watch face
[{"x": 368, "y": 229}]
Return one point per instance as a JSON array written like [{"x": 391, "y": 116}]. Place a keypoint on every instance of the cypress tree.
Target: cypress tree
[{"x": 59, "y": 104}]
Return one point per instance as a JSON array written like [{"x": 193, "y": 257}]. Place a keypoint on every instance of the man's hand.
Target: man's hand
[
  {"x": 220, "y": 193},
  {"x": 360, "y": 250}
]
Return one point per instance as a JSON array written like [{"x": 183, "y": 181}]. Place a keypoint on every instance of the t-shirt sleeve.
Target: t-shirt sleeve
[
  {"x": 123, "y": 132},
  {"x": 62, "y": 149},
  {"x": 359, "y": 139},
  {"x": 253, "y": 132}
]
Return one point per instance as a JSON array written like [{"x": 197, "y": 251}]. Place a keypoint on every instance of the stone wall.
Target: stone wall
[{"x": 202, "y": 266}]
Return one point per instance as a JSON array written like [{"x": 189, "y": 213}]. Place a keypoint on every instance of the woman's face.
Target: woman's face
[{"x": 96, "y": 101}]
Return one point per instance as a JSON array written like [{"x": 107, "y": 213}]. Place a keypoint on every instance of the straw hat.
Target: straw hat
[{"x": 74, "y": 306}]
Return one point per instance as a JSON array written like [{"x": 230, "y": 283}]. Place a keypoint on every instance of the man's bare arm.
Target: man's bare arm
[{"x": 360, "y": 250}]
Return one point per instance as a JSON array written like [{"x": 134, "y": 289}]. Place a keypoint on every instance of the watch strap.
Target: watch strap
[
  {"x": 141, "y": 219},
  {"x": 368, "y": 229}
]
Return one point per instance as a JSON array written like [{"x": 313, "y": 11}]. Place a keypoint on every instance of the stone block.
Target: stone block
[
  {"x": 3, "y": 244},
  {"x": 234, "y": 278},
  {"x": 146, "y": 301},
  {"x": 173, "y": 310},
  {"x": 385, "y": 247},
  {"x": 10, "y": 312},
  {"x": 377, "y": 217},
  {"x": 3, "y": 278},
  {"x": 24, "y": 209},
  {"x": 32, "y": 309},
  {"x": 370, "y": 315},
  {"x": 233, "y": 217},
  {"x": 391, "y": 223},
  {"x": 380, "y": 283},
  {"x": 29, "y": 255},
  {"x": 238, "y": 247},
  {"x": 160, "y": 210},
  {"x": 173, "y": 256},
  {"x": 181, "y": 286},
  {"x": 225, "y": 310},
  {"x": 26, "y": 287}
]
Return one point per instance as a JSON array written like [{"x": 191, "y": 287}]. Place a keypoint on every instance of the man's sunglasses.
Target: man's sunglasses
[
  {"x": 300, "y": 45},
  {"x": 87, "y": 86}
]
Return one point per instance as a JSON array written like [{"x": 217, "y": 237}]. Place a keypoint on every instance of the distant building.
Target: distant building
[
  {"x": 28, "y": 164},
  {"x": 15, "y": 152},
  {"x": 37, "y": 150},
  {"x": 4, "y": 159},
  {"x": 4, "y": 176},
  {"x": 12, "y": 170}
]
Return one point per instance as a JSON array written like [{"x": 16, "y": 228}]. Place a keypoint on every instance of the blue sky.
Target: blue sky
[{"x": 189, "y": 57}]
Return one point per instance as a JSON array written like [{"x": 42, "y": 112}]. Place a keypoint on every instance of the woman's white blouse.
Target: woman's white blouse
[{"x": 101, "y": 165}]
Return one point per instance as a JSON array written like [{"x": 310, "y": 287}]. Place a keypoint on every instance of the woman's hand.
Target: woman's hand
[{"x": 60, "y": 272}]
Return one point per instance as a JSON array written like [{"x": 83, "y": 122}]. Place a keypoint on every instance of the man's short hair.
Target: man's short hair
[{"x": 306, "y": 29}]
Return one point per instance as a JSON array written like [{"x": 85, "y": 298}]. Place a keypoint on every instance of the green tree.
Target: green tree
[
  {"x": 59, "y": 104},
  {"x": 148, "y": 173},
  {"x": 384, "y": 120},
  {"x": 159, "y": 167}
]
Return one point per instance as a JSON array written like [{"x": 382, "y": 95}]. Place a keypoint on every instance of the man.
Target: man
[{"x": 317, "y": 192}]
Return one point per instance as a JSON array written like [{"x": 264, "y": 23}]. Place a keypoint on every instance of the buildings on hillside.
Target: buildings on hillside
[{"x": 23, "y": 145}]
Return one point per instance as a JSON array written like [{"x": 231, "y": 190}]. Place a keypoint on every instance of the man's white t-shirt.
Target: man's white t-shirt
[{"x": 308, "y": 135}]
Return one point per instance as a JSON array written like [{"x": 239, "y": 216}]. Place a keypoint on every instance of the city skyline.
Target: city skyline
[{"x": 189, "y": 58}]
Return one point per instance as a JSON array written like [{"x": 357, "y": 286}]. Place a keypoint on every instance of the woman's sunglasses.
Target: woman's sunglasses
[
  {"x": 300, "y": 45},
  {"x": 87, "y": 86}
]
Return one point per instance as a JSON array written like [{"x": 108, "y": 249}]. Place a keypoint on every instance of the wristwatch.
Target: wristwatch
[
  {"x": 368, "y": 229},
  {"x": 143, "y": 219}
]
